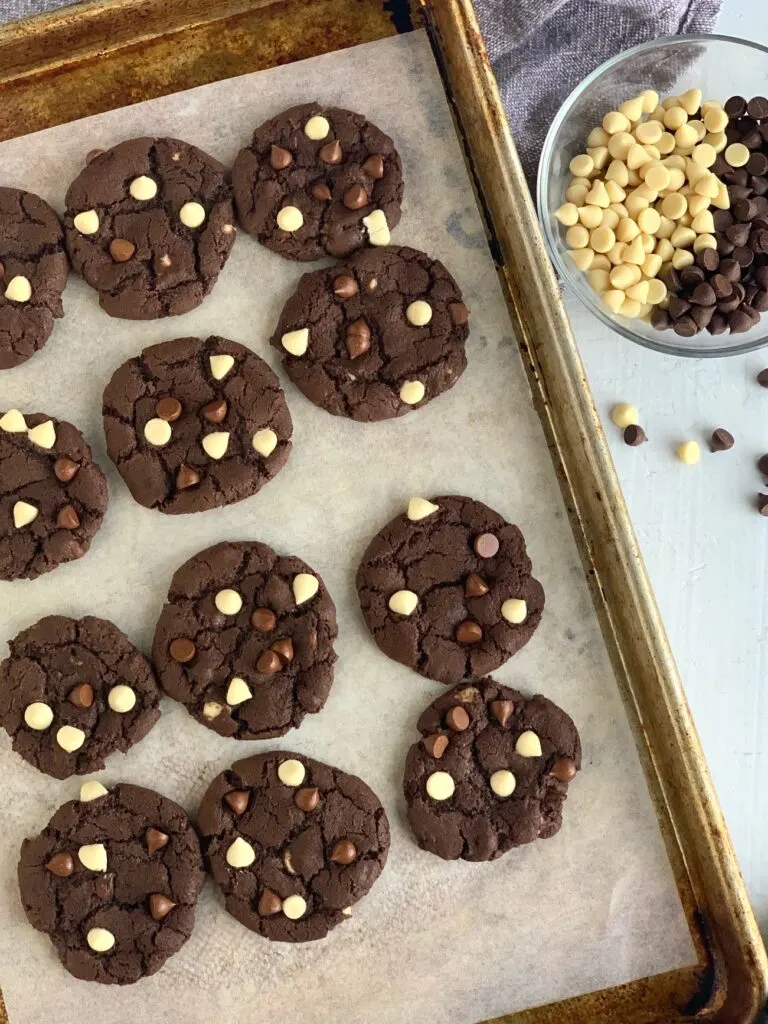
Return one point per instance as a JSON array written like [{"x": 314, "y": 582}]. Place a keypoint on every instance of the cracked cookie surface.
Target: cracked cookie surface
[
  {"x": 52, "y": 495},
  {"x": 33, "y": 274},
  {"x": 331, "y": 169},
  {"x": 446, "y": 589},
  {"x": 122, "y": 868},
  {"x": 491, "y": 771},
  {"x": 195, "y": 424},
  {"x": 245, "y": 640},
  {"x": 293, "y": 843},
  {"x": 149, "y": 224},
  {"x": 75, "y": 691},
  {"x": 385, "y": 333}
]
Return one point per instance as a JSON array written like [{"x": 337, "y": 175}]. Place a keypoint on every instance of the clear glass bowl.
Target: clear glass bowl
[{"x": 721, "y": 67}]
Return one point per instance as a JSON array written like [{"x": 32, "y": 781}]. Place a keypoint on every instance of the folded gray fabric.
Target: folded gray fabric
[{"x": 542, "y": 49}]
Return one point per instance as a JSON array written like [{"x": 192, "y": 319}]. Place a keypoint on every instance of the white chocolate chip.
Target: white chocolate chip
[
  {"x": 24, "y": 514},
  {"x": 143, "y": 188},
  {"x": 13, "y": 422},
  {"x": 291, "y": 772},
  {"x": 514, "y": 610},
  {"x": 87, "y": 222},
  {"x": 440, "y": 786},
  {"x": 296, "y": 342},
  {"x": 212, "y": 709},
  {"x": 503, "y": 783},
  {"x": 418, "y": 313},
  {"x": 624, "y": 415},
  {"x": 265, "y": 442},
  {"x": 347, "y": 911},
  {"x": 38, "y": 716},
  {"x": 92, "y": 790},
  {"x": 240, "y": 854},
  {"x": 93, "y": 857},
  {"x": 238, "y": 692},
  {"x": 317, "y": 127},
  {"x": 100, "y": 940},
  {"x": 294, "y": 907},
  {"x": 528, "y": 744},
  {"x": 412, "y": 392},
  {"x": 43, "y": 435},
  {"x": 305, "y": 586},
  {"x": 403, "y": 602},
  {"x": 228, "y": 602},
  {"x": 289, "y": 218},
  {"x": 689, "y": 452},
  {"x": 215, "y": 445},
  {"x": 377, "y": 227},
  {"x": 220, "y": 366},
  {"x": 288, "y": 863},
  {"x": 157, "y": 432},
  {"x": 70, "y": 738},
  {"x": 122, "y": 699},
  {"x": 192, "y": 215},
  {"x": 420, "y": 508}
]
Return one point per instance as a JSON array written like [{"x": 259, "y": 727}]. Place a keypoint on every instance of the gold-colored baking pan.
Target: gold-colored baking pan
[{"x": 99, "y": 56}]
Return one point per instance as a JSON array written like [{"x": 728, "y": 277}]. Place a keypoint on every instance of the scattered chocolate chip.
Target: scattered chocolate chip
[
  {"x": 435, "y": 745},
  {"x": 457, "y": 719},
  {"x": 155, "y": 840},
  {"x": 344, "y": 286},
  {"x": 182, "y": 650},
  {"x": 762, "y": 504},
  {"x": 263, "y": 620},
  {"x": 215, "y": 411},
  {"x": 762, "y": 464},
  {"x": 331, "y": 152},
  {"x": 186, "y": 477},
  {"x": 121, "y": 250},
  {"x": 355, "y": 198},
  {"x": 502, "y": 711},
  {"x": 61, "y": 864},
  {"x": 160, "y": 906},
  {"x": 486, "y": 545},
  {"x": 237, "y": 800},
  {"x": 68, "y": 519},
  {"x": 468, "y": 632},
  {"x": 358, "y": 338},
  {"x": 374, "y": 166},
  {"x": 284, "y": 648},
  {"x": 322, "y": 191},
  {"x": 475, "y": 586},
  {"x": 168, "y": 409},
  {"x": 344, "y": 852},
  {"x": 634, "y": 435},
  {"x": 81, "y": 696},
  {"x": 269, "y": 904},
  {"x": 762, "y": 378},
  {"x": 564, "y": 769},
  {"x": 307, "y": 799},
  {"x": 721, "y": 440},
  {"x": 91, "y": 155},
  {"x": 268, "y": 663},
  {"x": 280, "y": 158}
]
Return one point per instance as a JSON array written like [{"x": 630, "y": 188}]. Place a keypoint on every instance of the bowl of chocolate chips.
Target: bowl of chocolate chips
[{"x": 653, "y": 194}]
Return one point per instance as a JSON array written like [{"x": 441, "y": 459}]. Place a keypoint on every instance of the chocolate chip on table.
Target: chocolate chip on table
[
  {"x": 634, "y": 435},
  {"x": 762, "y": 465},
  {"x": 762, "y": 504},
  {"x": 722, "y": 440},
  {"x": 762, "y": 378}
]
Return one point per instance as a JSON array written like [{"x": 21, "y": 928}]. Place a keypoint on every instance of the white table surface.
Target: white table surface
[{"x": 704, "y": 544}]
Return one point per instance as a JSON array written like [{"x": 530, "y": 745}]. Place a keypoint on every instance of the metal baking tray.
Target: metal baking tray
[{"x": 94, "y": 57}]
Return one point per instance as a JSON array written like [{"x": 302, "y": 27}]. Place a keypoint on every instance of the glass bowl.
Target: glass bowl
[{"x": 721, "y": 67}]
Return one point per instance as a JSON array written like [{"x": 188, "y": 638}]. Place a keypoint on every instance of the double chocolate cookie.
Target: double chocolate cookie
[
  {"x": 74, "y": 691},
  {"x": 52, "y": 495},
  {"x": 375, "y": 336},
  {"x": 292, "y": 843},
  {"x": 193, "y": 424},
  {"x": 113, "y": 880},
  {"x": 33, "y": 273},
  {"x": 149, "y": 224},
  {"x": 446, "y": 588},
  {"x": 490, "y": 773},
  {"x": 245, "y": 641},
  {"x": 318, "y": 181}
]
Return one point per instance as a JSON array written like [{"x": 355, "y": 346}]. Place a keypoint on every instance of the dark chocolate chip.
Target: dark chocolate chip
[
  {"x": 502, "y": 711},
  {"x": 61, "y": 864},
  {"x": 660, "y": 319},
  {"x": 757, "y": 164},
  {"x": 739, "y": 322},
  {"x": 307, "y": 799},
  {"x": 81, "y": 696},
  {"x": 703, "y": 295},
  {"x": 344, "y": 852},
  {"x": 321, "y": 191},
  {"x": 215, "y": 411},
  {"x": 160, "y": 906},
  {"x": 486, "y": 545},
  {"x": 374, "y": 166},
  {"x": 279, "y": 158},
  {"x": 743, "y": 256},
  {"x": 331, "y": 152},
  {"x": 237, "y": 800},
  {"x": 685, "y": 327},
  {"x": 722, "y": 219},
  {"x": 735, "y": 106},
  {"x": 708, "y": 259},
  {"x": 168, "y": 409},
  {"x": 263, "y": 620},
  {"x": 702, "y": 315},
  {"x": 760, "y": 301},
  {"x": 762, "y": 504},
  {"x": 721, "y": 440},
  {"x": 737, "y": 233},
  {"x": 182, "y": 650},
  {"x": 344, "y": 287},
  {"x": 634, "y": 435},
  {"x": 475, "y": 586},
  {"x": 155, "y": 840},
  {"x": 744, "y": 210},
  {"x": 762, "y": 464},
  {"x": 690, "y": 276},
  {"x": 186, "y": 478},
  {"x": 468, "y": 632},
  {"x": 435, "y": 745},
  {"x": 718, "y": 324},
  {"x": 757, "y": 108},
  {"x": 721, "y": 286},
  {"x": 678, "y": 306},
  {"x": 457, "y": 719},
  {"x": 730, "y": 269},
  {"x": 564, "y": 769}
]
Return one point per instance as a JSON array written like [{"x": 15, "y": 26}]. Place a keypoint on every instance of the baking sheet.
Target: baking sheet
[{"x": 432, "y": 942}]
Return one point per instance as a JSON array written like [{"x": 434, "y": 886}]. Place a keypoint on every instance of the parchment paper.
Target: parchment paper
[{"x": 433, "y": 942}]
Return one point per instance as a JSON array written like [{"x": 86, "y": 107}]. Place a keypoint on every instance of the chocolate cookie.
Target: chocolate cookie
[
  {"x": 446, "y": 588},
  {"x": 52, "y": 495},
  {"x": 33, "y": 273},
  {"x": 245, "y": 641},
  {"x": 74, "y": 691},
  {"x": 113, "y": 880},
  {"x": 318, "y": 181},
  {"x": 491, "y": 771},
  {"x": 375, "y": 336},
  {"x": 149, "y": 224},
  {"x": 292, "y": 843},
  {"x": 193, "y": 424}
]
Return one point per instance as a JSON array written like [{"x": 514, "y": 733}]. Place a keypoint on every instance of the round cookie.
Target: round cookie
[
  {"x": 33, "y": 273},
  {"x": 446, "y": 588},
  {"x": 375, "y": 336},
  {"x": 74, "y": 691},
  {"x": 318, "y": 181},
  {"x": 245, "y": 641},
  {"x": 113, "y": 880},
  {"x": 52, "y": 495},
  {"x": 193, "y": 425},
  {"x": 149, "y": 224},
  {"x": 292, "y": 843},
  {"x": 490, "y": 773}
]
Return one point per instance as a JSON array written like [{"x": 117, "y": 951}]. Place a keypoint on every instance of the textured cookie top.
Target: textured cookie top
[
  {"x": 52, "y": 495},
  {"x": 113, "y": 880},
  {"x": 33, "y": 273},
  {"x": 194, "y": 424},
  {"x": 318, "y": 181},
  {"x": 149, "y": 224},
  {"x": 375, "y": 336},
  {"x": 491, "y": 771},
  {"x": 245, "y": 641},
  {"x": 74, "y": 691},
  {"x": 446, "y": 588},
  {"x": 292, "y": 843}
]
